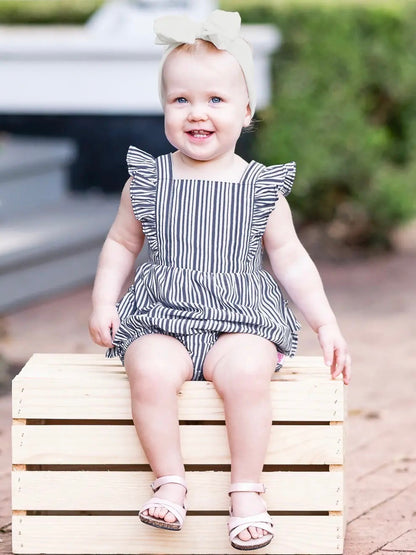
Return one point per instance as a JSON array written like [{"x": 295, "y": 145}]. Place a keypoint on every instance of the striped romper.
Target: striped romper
[{"x": 204, "y": 274}]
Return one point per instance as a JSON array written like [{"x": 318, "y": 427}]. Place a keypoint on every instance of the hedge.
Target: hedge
[
  {"x": 14, "y": 12},
  {"x": 343, "y": 107}
]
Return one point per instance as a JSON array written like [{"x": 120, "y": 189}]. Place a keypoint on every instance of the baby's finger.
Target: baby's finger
[
  {"x": 343, "y": 366},
  {"x": 339, "y": 363},
  {"x": 347, "y": 370},
  {"x": 327, "y": 345},
  {"x": 115, "y": 324},
  {"x": 107, "y": 338},
  {"x": 102, "y": 337},
  {"x": 328, "y": 352}
]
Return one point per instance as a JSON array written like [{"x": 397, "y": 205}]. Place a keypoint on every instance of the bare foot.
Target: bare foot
[
  {"x": 244, "y": 504},
  {"x": 171, "y": 492}
]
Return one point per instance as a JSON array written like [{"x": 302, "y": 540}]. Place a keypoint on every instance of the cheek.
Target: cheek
[
  {"x": 238, "y": 119},
  {"x": 173, "y": 117},
  {"x": 171, "y": 122},
  {"x": 173, "y": 127}
]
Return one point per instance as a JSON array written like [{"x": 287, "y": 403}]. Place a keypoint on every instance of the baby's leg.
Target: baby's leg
[
  {"x": 157, "y": 366},
  {"x": 240, "y": 367}
]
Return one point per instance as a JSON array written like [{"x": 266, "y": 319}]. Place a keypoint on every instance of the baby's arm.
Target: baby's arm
[
  {"x": 297, "y": 273},
  {"x": 121, "y": 247}
]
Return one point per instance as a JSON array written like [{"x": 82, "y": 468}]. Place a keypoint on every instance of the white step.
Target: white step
[
  {"x": 53, "y": 249},
  {"x": 33, "y": 173}
]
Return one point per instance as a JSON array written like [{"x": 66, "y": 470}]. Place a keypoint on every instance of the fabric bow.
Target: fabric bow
[{"x": 221, "y": 28}]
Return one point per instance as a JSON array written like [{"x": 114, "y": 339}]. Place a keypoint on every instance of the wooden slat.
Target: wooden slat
[
  {"x": 68, "y": 371},
  {"x": 42, "y": 362},
  {"x": 201, "y": 534},
  {"x": 107, "y": 397},
  {"x": 119, "y": 445},
  {"x": 207, "y": 491},
  {"x": 73, "y": 358},
  {"x": 98, "y": 358}
]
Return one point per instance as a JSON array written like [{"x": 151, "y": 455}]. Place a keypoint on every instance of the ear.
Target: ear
[{"x": 248, "y": 116}]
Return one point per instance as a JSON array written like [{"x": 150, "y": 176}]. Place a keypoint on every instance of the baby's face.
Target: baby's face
[{"x": 205, "y": 103}]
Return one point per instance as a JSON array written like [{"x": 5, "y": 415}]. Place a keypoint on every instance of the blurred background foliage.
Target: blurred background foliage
[
  {"x": 343, "y": 106},
  {"x": 16, "y": 12}
]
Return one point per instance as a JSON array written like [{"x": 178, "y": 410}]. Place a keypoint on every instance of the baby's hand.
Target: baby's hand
[
  {"x": 103, "y": 325},
  {"x": 335, "y": 351}
]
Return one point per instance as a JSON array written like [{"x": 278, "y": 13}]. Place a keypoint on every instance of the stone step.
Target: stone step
[
  {"x": 33, "y": 173},
  {"x": 53, "y": 249}
]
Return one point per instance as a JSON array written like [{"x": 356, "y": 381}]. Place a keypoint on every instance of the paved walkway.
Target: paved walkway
[{"x": 376, "y": 304}]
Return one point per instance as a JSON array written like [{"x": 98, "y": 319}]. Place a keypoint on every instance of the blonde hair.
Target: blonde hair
[{"x": 200, "y": 45}]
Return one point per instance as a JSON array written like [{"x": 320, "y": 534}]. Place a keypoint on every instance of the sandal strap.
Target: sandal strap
[
  {"x": 237, "y": 524},
  {"x": 178, "y": 512},
  {"x": 171, "y": 479},
  {"x": 246, "y": 486}
]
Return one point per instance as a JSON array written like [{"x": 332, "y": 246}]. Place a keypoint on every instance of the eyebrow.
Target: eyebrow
[
  {"x": 175, "y": 94},
  {"x": 208, "y": 93}
]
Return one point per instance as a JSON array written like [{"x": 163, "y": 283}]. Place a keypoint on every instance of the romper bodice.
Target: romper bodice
[{"x": 204, "y": 225}]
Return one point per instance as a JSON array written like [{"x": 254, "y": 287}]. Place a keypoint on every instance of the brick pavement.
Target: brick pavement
[{"x": 376, "y": 306}]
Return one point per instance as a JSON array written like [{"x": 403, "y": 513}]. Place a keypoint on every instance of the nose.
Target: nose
[{"x": 197, "y": 112}]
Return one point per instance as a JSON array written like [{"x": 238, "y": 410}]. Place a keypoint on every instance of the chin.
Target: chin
[{"x": 199, "y": 157}]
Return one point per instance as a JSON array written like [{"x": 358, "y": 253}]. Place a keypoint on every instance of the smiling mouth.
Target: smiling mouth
[{"x": 199, "y": 133}]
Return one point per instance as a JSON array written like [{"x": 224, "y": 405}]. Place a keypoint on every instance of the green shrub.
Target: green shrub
[
  {"x": 46, "y": 11},
  {"x": 344, "y": 107}
]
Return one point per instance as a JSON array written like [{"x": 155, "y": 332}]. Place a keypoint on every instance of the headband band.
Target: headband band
[{"x": 221, "y": 28}]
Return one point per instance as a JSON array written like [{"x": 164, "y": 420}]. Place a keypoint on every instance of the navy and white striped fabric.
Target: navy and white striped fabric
[{"x": 204, "y": 274}]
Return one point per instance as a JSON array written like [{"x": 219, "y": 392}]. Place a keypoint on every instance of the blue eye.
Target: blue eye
[
  {"x": 216, "y": 100},
  {"x": 181, "y": 100}
]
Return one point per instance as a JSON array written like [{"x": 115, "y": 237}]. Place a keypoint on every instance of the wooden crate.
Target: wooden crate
[{"x": 80, "y": 475}]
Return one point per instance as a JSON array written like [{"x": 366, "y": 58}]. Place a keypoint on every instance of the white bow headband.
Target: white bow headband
[{"x": 221, "y": 28}]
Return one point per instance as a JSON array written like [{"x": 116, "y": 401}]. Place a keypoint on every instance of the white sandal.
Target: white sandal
[
  {"x": 178, "y": 512},
  {"x": 236, "y": 524}
]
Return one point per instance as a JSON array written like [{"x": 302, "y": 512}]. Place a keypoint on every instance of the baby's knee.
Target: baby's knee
[
  {"x": 152, "y": 373},
  {"x": 248, "y": 375},
  {"x": 142, "y": 383}
]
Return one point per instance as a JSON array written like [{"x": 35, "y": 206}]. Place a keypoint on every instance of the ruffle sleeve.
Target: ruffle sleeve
[
  {"x": 278, "y": 178},
  {"x": 269, "y": 183},
  {"x": 143, "y": 187}
]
